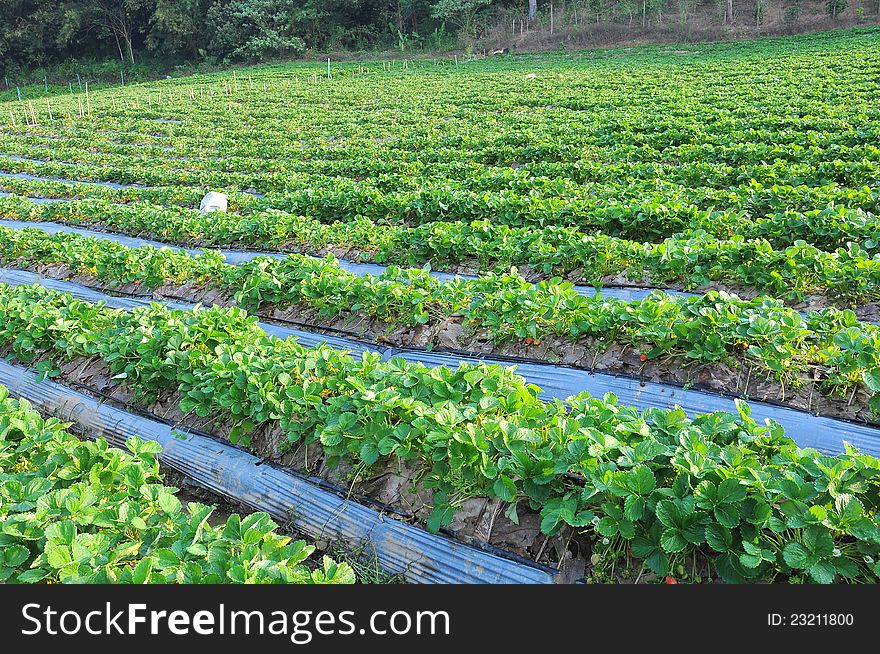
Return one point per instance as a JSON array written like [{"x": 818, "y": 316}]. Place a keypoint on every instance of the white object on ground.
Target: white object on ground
[{"x": 214, "y": 201}]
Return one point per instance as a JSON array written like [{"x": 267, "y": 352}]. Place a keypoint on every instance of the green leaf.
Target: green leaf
[
  {"x": 731, "y": 490},
  {"x": 505, "y": 488},
  {"x": 440, "y": 517},
  {"x": 796, "y": 556},
  {"x": 582, "y": 519},
  {"x": 634, "y": 507},
  {"x": 33, "y": 575},
  {"x": 823, "y": 572},
  {"x": 872, "y": 379},
  {"x": 141, "y": 572},
  {"x": 169, "y": 503},
  {"x": 331, "y": 438},
  {"x": 512, "y": 515},
  {"x": 237, "y": 574},
  {"x": 719, "y": 538},
  {"x": 818, "y": 540},
  {"x": 727, "y": 515},
  {"x": 641, "y": 480},
  {"x": 669, "y": 513},
  {"x": 849, "y": 508},
  {"x": 166, "y": 557},
  {"x": 672, "y": 541},
  {"x": 59, "y": 556},
  {"x": 14, "y": 555},
  {"x": 369, "y": 453},
  {"x": 549, "y": 522},
  {"x": 63, "y": 531},
  {"x": 750, "y": 560}
]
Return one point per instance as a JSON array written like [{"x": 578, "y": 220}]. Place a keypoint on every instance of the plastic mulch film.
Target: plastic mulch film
[
  {"x": 234, "y": 473},
  {"x": 4, "y": 194},
  {"x": 824, "y": 434},
  {"x": 39, "y": 178}
]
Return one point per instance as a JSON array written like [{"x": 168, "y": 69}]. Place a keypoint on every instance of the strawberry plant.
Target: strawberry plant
[{"x": 77, "y": 511}]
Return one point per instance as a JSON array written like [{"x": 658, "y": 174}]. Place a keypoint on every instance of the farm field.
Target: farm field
[{"x": 448, "y": 289}]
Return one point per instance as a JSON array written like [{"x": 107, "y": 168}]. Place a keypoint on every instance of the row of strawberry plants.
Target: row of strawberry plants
[
  {"x": 787, "y": 213},
  {"x": 759, "y": 133},
  {"x": 707, "y": 329},
  {"x": 847, "y": 276},
  {"x": 74, "y": 511},
  {"x": 667, "y": 486},
  {"x": 661, "y": 133},
  {"x": 183, "y": 196},
  {"x": 651, "y": 215},
  {"x": 364, "y": 161}
]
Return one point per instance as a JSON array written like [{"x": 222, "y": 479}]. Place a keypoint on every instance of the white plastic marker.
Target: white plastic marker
[{"x": 214, "y": 201}]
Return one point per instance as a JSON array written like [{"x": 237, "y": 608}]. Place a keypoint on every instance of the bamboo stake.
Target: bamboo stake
[
  {"x": 49, "y": 107},
  {"x": 12, "y": 116},
  {"x": 88, "y": 101}
]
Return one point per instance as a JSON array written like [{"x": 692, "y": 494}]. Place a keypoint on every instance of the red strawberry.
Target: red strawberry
[
  {"x": 537, "y": 341},
  {"x": 643, "y": 357},
  {"x": 529, "y": 340},
  {"x": 671, "y": 580}
]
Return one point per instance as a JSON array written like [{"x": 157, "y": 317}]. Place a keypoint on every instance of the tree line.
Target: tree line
[{"x": 36, "y": 33}]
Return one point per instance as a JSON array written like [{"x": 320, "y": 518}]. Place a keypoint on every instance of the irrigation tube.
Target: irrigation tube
[
  {"x": 233, "y": 473},
  {"x": 557, "y": 382},
  {"x": 239, "y": 257}
]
